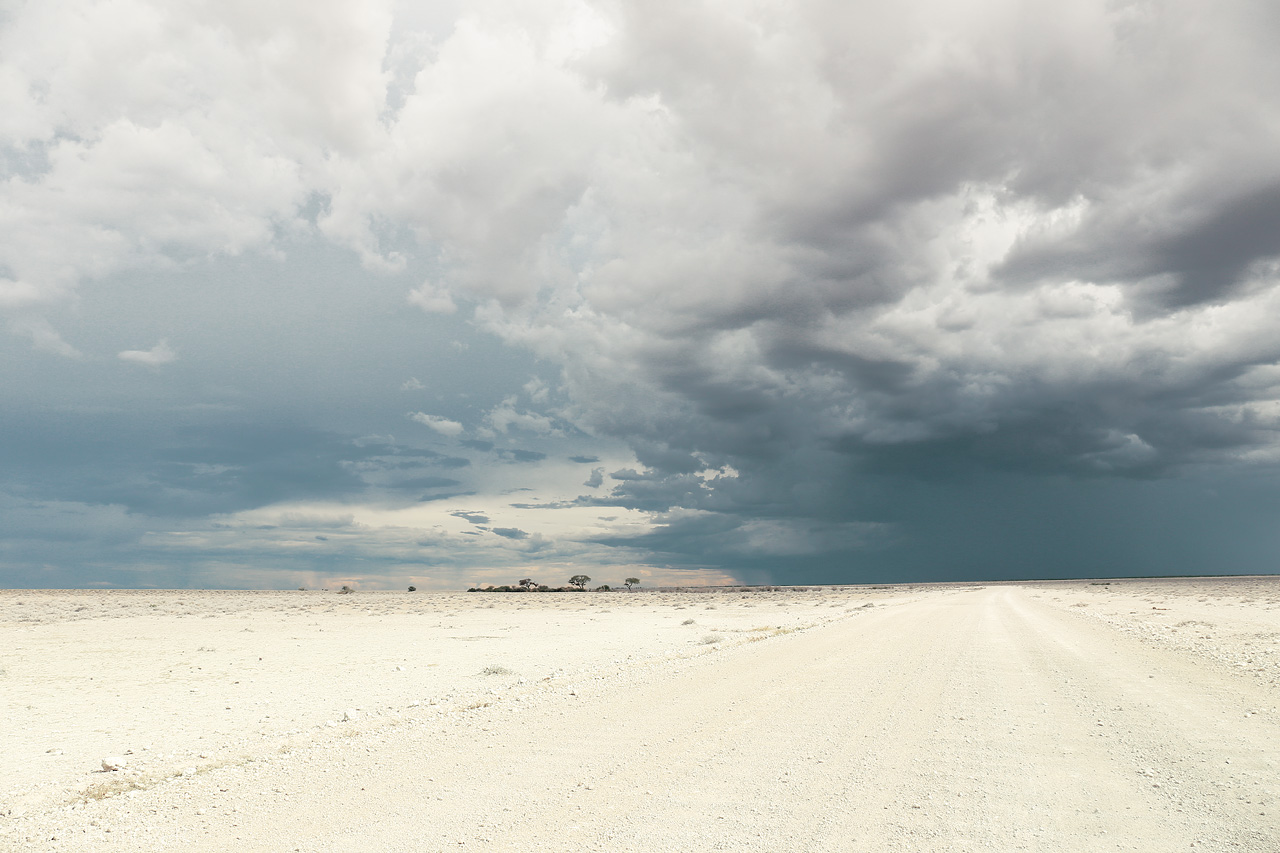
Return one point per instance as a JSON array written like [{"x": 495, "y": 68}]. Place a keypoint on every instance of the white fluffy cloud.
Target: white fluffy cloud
[
  {"x": 444, "y": 426},
  {"x": 159, "y": 354},
  {"x": 433, "y": 300},
  {"x": 144, "y": 133},
  {"x": 505, "y": 417}
]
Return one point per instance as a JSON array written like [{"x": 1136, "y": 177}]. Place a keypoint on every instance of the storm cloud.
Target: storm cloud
[{"x": 835, "y": 290}]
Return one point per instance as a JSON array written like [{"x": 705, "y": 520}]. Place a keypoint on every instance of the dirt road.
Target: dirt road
[{"x": 973, "y": 719}]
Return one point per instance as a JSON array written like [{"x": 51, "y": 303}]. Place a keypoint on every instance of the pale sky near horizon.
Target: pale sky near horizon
[{"x": 379, "y": 293}]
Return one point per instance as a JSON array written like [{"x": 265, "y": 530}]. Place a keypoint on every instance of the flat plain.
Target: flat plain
[{"x": 1073, "y": 715}]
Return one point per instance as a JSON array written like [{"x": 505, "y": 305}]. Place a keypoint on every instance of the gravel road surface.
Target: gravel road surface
[{"x": 952, "y": 720}]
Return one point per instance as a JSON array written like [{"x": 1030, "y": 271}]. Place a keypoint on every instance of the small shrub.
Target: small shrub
[
  {"x": 687, "y": 622},
  {"x": 496, "y": 670},
  {"x": 346, "y": 590},
  {"x": 413, "y": 589},
  {"x": 711, "y": 639}
]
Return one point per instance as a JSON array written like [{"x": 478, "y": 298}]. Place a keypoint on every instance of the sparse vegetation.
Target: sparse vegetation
[
  {"x": 346, "y": 590},
  {"x": 413, "y": 589},
  {"x": 496, "y": 670},
  {"x": 578, "y": 583},
  {"x": 630, "y": 582},
  {"x": 711, "y": 639}
]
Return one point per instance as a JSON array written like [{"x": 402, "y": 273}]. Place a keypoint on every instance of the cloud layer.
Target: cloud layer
[{"x": 823, "y": 270}]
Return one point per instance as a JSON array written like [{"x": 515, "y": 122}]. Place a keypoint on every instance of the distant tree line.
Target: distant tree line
[{"x": 577, "y": 583}]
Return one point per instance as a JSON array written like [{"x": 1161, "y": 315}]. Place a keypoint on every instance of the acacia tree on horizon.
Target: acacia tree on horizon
[
  {"x": 629, "y": 581},
  {"x": 580, "y": 581}
]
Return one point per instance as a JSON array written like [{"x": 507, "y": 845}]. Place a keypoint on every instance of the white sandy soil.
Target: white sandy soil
[{"x": 1129, "y": 715}]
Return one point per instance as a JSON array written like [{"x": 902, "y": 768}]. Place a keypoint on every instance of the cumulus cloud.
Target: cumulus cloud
[
  {"x": 159, "y": 354},
  {"x": 820, "y": 246},
  {"x": 432, "y": 299},
  {"x": 877, "y": 242},
  {"x": 506, "y": 417},
  {"x": 145, "y": 136},
  {"x": 444, "y": 426}
]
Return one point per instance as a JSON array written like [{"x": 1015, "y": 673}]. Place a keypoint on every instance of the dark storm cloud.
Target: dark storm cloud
[
  {"x": 924, "y": 288},
  {"x": 1196, "y": 254},
  {"x": 696, "y": 537},
  {"x": 653, "y": 492}
]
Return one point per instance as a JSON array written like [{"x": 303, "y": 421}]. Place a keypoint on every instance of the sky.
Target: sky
[{"x": 301, "y": 294}]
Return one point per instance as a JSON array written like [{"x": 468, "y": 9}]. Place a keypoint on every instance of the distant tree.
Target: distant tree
[
  {"x": 346, "y": 590},
  {"x": 580, "y": 581},
  {"x": 413, "y": 589},
  {"x": 630, "y": 581},
  {"x": 527, "y": 583}
]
